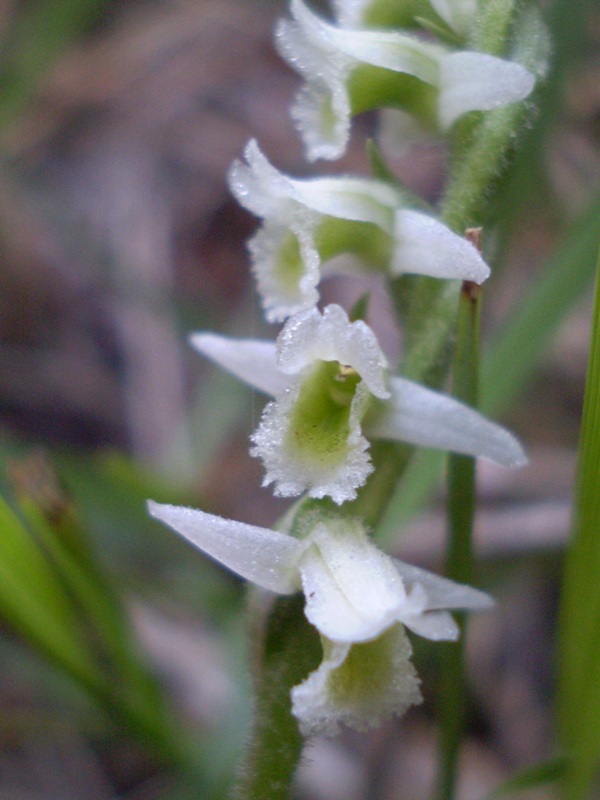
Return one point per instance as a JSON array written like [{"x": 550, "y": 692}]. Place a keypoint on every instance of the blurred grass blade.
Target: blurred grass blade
[
  {"x": 34, "y": 603},
  {"x": 530, "y": 778},
  {"x": 507, "y": 366},
  {"x": 578, "y": 695},
  {"x": 124, "y": 684}
]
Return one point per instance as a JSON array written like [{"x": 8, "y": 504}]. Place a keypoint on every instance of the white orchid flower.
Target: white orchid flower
[
  {"x": 358, "y": 599},
  {"x": 309, "y": 221},
  {"x": 332, "y": 392},
  {"x": 347, "y": 71}
]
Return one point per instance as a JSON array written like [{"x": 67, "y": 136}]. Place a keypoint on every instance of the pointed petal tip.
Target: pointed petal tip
[
  {"x": 511, "y": 454},
  {"x": 263, "y": 556},
  {"x": 200, "y": 340},
  {"x": 480, "y": 82},
  {"x": 153, "y": 507}
]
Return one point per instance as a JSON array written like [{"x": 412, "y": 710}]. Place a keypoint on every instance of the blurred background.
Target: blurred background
[{"x": 123, "y": 651}]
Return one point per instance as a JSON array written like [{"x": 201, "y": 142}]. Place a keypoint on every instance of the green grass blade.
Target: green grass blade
[
  {"x": 578, "y": 697},
  {"x": 33, "y": 601},
  {"x": 530, "y": 778},
  {"x": 507, "y": 366},
  {"x": 459, "y": 558}
]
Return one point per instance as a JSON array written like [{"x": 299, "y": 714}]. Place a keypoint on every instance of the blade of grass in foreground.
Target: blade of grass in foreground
[{"x": 578, "y": 698}]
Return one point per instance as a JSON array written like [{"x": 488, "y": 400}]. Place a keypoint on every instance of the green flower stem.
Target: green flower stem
[
  {"x": 286, "y": 649},
  {"x": 579, "y": 624},
  {"x": 459, "y": 558}
]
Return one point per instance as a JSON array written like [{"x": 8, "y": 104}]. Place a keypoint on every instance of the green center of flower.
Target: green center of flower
[
  {"x": 368, "y": 672},
  {"x": 289, "y": 265},
  {"x": 320, "y": 419}
]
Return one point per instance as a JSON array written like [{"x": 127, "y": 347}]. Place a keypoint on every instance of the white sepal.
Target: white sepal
[
  {"x": 351, "y": 13},
  {"x": 442, "y": 592},
  {"x": 358, "y": 199},
  {"x": 427, "y": 247},
  {"x": 387, "y": 49},
  {"x": 423, "y": 417},
  {"x": 253, "y": 361},
  {"x": 260, "y": 555},
  {"x": 259, "y": 186},
  {"x": 479, "y": 82}
]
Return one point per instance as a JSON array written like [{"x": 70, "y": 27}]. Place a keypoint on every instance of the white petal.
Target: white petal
[
  {"x": 330, "y": 336},
  {"x": 359, "y": 199},
  {"x": 259, "y": 186},
  {"x": 262, "y": 556},
  {"x": 479, "y": 82},
  {"x": 390, "y": 50},
  {"x": 358, "y": 685},
  {"x": 420, "y": 416},
  {"x": 425, "y": 246},
  {"x": 353, "y": 591},
  {"x": 441, "y": 592},
  {"x": 251, "y": 360},
  {"x": 438, "y": 626}
]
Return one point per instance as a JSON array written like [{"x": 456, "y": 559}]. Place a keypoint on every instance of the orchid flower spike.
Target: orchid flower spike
[
  {"x": 332, "y": 392},
  {"x": 359, "y": 600},
  {"x": 312, "y": 220},
  {"x": 347, "y": 71}
]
